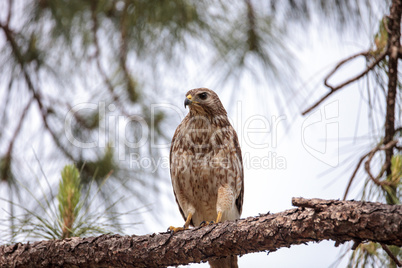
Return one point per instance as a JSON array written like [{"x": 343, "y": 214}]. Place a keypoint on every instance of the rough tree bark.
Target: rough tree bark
[
  {"x": 394, "y": 44},
  {"x": 315, "y": 220}
]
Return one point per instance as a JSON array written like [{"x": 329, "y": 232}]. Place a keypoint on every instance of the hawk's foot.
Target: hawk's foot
[
  {"x": 173, "y": 230},
  {"x": 205, "y": 223},
  {"x": 218, "y": 220}
]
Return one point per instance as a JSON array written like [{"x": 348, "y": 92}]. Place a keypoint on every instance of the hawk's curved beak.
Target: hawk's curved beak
[{"x": 187, "y": 101}]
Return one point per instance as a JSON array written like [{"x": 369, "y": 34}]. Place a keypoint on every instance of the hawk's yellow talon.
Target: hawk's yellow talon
[
  {"x": 175, "y": 229},
  {"x": 185, "y": 227},
  {"x": 218, "y": 220},
  {"x": 205, "y": 223}
]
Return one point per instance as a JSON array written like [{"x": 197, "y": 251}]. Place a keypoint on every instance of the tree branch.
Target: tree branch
[
  {"x": 354, "y": 175},
  {"x": 351, "y": 80},
  {"x": 376, "y": 180},
  {"x": 393, "y": 47},
  {"x": 391, "y": 255},
  {"x": 8, "y": 155},
  {"x": 101, "y": 70},
  {"x": 35, "y": 92},
  {"x": 370, "y": 156},
  {"x": 315, "y": 220}
]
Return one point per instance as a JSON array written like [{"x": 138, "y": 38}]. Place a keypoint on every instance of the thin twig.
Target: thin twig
[
  {"x": 367, "y": 166},
  {"x": 376, "y": 180},
  {"x": 17, "y": 130},
  {"x": 123, "y": 48},
  {"x": 9, "y": 11},
  {"x": 339, "y": 65},
  {"x": 7, "y": 157},
  {"x": 354, "y": 175},
  {"x": 44, "y": 114},
  {"x": 391, "y": 255},
  {"x": 35, "y": 93},
  {"x": 98, "y": 62},
  {"x": 336, "y": 88}
]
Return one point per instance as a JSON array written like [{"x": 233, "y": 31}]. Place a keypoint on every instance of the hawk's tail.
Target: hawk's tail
[{"x": 228, "y": 262}]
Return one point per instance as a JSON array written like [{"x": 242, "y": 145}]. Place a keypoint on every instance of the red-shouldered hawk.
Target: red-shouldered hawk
[{"x": 206, "y": 165}]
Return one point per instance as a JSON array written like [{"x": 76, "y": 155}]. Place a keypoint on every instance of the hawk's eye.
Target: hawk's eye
[{"x": 203, "y": 95}]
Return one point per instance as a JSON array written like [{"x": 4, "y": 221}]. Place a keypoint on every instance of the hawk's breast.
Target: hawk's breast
[{"x": 203, "y": 158}]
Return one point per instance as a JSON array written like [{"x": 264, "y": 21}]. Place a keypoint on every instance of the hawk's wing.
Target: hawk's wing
[
  {"x": 240, "y": 179},
  {"x": 175, "y": 139}
]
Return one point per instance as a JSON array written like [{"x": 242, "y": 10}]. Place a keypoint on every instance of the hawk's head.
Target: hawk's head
[{"x": 203, "y": 101}]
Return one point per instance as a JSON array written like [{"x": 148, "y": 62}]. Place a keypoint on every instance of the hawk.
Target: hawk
[{"x": 206, "y": 165}]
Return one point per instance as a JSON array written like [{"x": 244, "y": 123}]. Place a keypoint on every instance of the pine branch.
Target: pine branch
[
  {"x": 394, "y": 46},
  {"x": 334, "y": 89},
  {"x": 10, "y": 37},
  {"x": 314, "y": 220}
]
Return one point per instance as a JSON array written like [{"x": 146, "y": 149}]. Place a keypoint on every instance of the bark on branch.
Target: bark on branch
[
  {"x": 394, "y": 42},
  {"x": 314, "y": 220}
]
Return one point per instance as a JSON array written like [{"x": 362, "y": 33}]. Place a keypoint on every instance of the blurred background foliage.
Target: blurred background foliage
[
  {"x": 56, "y": 55},
  {"x": 71, "y": 213}
]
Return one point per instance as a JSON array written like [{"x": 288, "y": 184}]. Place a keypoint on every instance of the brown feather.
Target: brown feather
[{"x": 205, "y": 136}]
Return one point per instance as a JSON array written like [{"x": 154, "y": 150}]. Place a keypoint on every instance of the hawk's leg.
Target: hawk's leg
[
  {"x": 185, "y": 226},
  {"x": 219, "y": 218},
  {"x": 224, "y": 204}
]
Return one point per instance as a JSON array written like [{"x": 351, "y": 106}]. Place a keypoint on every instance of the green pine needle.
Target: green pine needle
[{"x": 69, "y": 218}]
